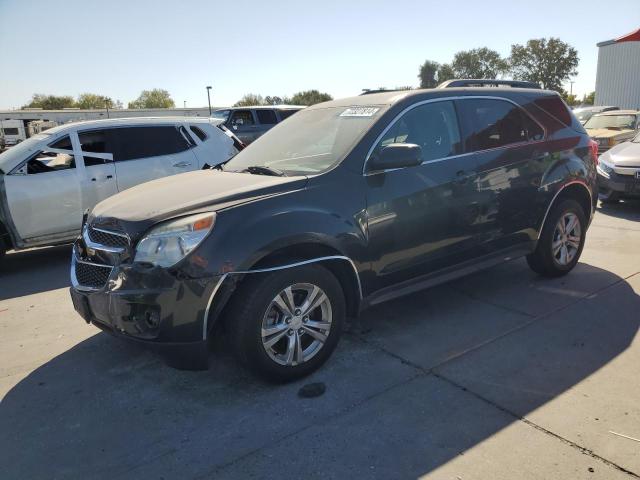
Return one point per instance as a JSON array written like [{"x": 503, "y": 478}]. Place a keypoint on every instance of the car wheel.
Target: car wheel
[
  {"x": 608, "y": 196},
  {"x": 3, "y": 249},
  {"x": 561, "y": 241},
  {"x": 285, "y": 324}
]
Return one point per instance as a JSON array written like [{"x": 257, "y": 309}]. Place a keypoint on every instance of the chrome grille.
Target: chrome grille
[
  {"x": 92, "y": 275},
  {"x": 105, "y": 238}
]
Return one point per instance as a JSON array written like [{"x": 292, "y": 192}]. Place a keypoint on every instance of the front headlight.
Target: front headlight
[
  {"x": 605, "y": 166},
  {"x": 169, "y": 242}
]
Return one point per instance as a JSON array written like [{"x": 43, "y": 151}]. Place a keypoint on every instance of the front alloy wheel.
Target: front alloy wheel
[
  {"x": 296, "y": 324},
  {"x": 286, "y": 323}
]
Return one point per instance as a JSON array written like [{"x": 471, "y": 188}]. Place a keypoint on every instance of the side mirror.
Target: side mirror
[{"x": 396, "y": 155}]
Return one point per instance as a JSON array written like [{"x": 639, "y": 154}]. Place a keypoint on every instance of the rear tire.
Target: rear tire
[
  {"x": 279, "y": 340},
  {"x": 561, "y": 242}
]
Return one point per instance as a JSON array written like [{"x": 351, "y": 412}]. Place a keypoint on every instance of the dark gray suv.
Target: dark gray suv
[{"x": 248, "y": 123}]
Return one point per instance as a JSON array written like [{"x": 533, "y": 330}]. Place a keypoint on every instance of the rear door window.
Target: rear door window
[
  {"x": 267, "y": 117},
  {"x": 94, "y": 141},
  {"x": 143, "y": 142},
  {"x": 489, "y": 123},
  {"x": 286, "y": 113}
]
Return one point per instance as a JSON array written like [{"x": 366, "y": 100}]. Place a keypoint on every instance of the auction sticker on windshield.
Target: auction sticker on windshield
[{"x": 360, "y": 112}]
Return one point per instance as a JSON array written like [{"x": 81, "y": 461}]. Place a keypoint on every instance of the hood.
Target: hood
[
  {"x": 607, "y": 132},
  {"x": 625, "y": 154},
  {"x": 138, "y": 208}
]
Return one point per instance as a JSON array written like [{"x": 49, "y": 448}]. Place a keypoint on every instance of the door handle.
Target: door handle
[{"x": 182, "y": 164}]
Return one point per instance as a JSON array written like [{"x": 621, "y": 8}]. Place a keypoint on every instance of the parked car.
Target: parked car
[
  {"x": 611, "y": 128},
  {"x": 619, "y": 172},
  {"x": 50, "y": 179},
  {"x": 248, "y": 123},
  {"x": 347, "y": 204},
  {"x": 585, "y": 113}
]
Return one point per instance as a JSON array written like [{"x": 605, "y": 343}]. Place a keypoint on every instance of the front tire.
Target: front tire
[
  {"x": 561, "y": 242},
  {"x": 285, "y": 324}
]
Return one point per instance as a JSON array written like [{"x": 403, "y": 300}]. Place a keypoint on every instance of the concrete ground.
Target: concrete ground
[{"x": 500, "y": 375}]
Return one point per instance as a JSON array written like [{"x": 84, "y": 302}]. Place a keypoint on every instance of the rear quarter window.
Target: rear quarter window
[{"x": 555, "y": 107}]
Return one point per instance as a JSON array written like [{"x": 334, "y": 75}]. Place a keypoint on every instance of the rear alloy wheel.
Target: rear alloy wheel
[
  {"x": 285, "y": 324},
  {"x": 561, "y": 241}
]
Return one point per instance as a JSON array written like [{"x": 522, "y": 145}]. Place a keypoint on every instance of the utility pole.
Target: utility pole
[
  {"x": 571, "y": 87},
  {"x": 209, "y": 99}
]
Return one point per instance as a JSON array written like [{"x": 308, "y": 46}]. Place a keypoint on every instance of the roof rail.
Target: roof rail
[{"x": 470, "y": 82}]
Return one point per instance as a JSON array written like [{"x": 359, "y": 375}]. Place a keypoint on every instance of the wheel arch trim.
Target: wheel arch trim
[
  {"x": 224, "y": 276},
  {"x": 557, "y": 194}
]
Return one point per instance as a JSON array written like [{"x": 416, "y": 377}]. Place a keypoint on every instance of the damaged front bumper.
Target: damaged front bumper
[{"x": 154, "y": 306}]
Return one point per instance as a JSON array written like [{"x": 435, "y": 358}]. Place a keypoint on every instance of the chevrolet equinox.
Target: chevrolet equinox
[{"x": 342, "y": 206}]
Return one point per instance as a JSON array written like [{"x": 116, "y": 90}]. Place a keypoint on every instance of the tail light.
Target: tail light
[{"x": 594, "y": 150}]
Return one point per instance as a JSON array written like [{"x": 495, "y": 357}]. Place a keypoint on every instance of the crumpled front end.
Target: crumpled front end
[{"x": 162, "y": 307}]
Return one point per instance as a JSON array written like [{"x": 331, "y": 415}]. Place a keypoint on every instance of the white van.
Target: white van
[
  {"x": 48, "y": 181},
  {"x": 13, "y": 131}
]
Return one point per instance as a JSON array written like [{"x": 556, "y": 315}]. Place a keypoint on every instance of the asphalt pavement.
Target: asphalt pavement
[{"x": 499, "y": 375}]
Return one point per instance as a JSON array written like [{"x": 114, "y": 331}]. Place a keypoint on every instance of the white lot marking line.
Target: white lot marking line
[{"x": 625, "y": 436}]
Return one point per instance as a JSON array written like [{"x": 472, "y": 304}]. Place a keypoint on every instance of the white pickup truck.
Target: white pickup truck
[{"x": 48, "y": 181}]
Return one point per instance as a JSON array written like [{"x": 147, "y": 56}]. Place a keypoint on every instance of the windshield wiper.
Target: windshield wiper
[{"x": 264, "y": 170}]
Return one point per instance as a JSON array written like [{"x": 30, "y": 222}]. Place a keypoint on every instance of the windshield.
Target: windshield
[
  {"x": 310, "y": 142},
  {"x": 9, "y": 158},
  {"x": 221, "y": 114},
  {"x": 616, "y": 122}
]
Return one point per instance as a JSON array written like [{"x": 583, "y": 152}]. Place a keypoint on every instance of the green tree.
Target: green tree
[
  {"x": 427, "y": 74},
  {"x": 156, "y": 98},
  {"x": 445, "y": 72},
  {"x": 250, "y": 99},
  {"x": 479, "y": 63},
  {"x": 274, "y": 100},
  {"x": 549, "y": 62},
  {"x": 589, "y": 99},
  {"x": 310, "y": 97},
  {"x": 570, "y": 99},
  {"x": 93, "y": 101},
  {"x": 50, "y": 102}
]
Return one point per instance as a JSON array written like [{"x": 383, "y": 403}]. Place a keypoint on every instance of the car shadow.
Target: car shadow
[
  {"x": 625, "y": 209},
  {"x": 107, "y": 409},
  {"x": 32, "y": 271}
]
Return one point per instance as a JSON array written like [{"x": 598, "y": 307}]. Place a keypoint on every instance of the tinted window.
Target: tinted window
[
  {"x": 432, "y": 126},
  {"x": 242, "y": 117},
  {"x": 143, "y": 142},
  {"x": 495, "y": 123},
  {"x": 267, "y": 117},
  {"x": 10, "y": 131},
  {"x": 286, "y": 113},
  {"x": 94, "y": 141},
  {"x": 198, "y": 132},
  {"x": 63, "y": 143},
  {"x": 555, "y": 107}
]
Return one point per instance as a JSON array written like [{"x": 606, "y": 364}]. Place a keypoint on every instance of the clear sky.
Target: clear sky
[{"x": 120, "y": 47}]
